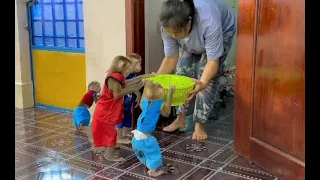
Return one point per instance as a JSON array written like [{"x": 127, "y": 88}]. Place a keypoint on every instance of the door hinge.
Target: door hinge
[
  {"x": 27, "y": 27},
  {"x": 29, "y": 2}
]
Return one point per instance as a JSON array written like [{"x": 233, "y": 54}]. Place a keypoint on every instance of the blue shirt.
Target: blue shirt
[{"x": 149, "y": 116}]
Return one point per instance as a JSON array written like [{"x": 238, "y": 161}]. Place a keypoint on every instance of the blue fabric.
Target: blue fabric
[
  {"x": 149, "y": 116},
  {"x": 127, "y": 105},
  {"x": 126, "y": 121},
  {"x": 81, "y": 115},
  {"x": 148, "y": 152}
]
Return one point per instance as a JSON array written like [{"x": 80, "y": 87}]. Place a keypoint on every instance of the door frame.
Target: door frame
[
  {"x": 29, "y": 14},
  {"x": 245, "y": 145},
  {"x": 135, "y": 38}
]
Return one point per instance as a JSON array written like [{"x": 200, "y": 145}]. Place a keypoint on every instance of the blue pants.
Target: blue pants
[
  {"x": 127, "y": 119},
  {"x": 148, "y": 151},
  {"x": 81, "y": 115}
]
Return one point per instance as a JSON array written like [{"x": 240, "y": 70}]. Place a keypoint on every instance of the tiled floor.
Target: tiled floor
[{"x": 49, "y": 148}]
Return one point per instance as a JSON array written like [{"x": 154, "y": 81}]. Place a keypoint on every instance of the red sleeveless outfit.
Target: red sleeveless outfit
[{"x": 107, "y": 113}]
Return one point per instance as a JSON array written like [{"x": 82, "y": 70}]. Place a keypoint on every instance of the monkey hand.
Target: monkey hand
[
  {"x": 171, "y": 88},
  {"x": 138, "y": 98},
  {"x": 146, "y": 81},
  {"x": 145, "y": 76}
]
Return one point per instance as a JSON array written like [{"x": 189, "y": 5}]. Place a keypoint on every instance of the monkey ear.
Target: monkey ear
[{"x": 121, "y": 64}]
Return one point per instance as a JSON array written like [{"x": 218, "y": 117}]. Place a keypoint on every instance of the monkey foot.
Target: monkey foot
[
  {"x": 123, "y": 141},
  {"x": 155, "y": 173}
]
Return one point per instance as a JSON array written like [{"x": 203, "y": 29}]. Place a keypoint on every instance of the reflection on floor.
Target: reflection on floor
[{"x": 48, "y": 147}]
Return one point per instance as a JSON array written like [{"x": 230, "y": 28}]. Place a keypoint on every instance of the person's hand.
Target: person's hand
[{"x": 199, "y": 86}]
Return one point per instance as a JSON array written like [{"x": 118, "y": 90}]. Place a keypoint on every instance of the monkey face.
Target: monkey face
[
  {"x": 96, "y": 88},
  {"x": 135, "y": 65}
]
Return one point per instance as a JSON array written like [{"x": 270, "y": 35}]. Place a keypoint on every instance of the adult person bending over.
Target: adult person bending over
[{"x": 204, "y": 31}]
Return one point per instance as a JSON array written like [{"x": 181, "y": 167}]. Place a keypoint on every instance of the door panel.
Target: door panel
[{"x": 273, "y": 91}]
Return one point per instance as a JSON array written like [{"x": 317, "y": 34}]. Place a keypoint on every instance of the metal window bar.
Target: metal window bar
[
  {"x": 43, "y": 45},
  {"x": 65, "y": 23}
]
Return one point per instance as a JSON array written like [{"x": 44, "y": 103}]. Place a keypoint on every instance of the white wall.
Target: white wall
[
  {"x": 105, "y": 36},
  {"x": 23, "y": 83},
  {"x": 153, "y": 42}
]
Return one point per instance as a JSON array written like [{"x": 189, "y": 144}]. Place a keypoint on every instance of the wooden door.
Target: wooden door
[{"x": 269, "y": 93}]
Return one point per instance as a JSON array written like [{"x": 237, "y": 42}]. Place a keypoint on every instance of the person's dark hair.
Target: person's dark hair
[{"x": 175, "y": 13}]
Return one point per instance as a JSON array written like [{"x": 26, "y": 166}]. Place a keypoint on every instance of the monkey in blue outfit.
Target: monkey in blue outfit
[{"x": 145, "y": 145}]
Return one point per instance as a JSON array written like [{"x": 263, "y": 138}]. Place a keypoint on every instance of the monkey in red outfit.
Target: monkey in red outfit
[{"x": 109, "y": 109}]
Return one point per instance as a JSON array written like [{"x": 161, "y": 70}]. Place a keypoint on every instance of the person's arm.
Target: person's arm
[
  {"x": 214, "y": 47},
  {"x": 168, "y": 64},
  {"x": 171, "y": 52}
]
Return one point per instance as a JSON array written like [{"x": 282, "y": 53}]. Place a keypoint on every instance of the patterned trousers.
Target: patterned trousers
[{"x": 192, "y": 65}]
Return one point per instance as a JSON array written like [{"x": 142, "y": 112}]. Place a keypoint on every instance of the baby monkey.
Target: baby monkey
[
  {"x": 81, "y": 114},
  {"x": 109, "y": 108},
  {"x": 124, "y": 127},
  {"x": 144, "y": 144}
]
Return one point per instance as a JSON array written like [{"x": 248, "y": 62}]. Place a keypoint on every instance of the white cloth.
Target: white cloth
[{"x": 139, "y": 135}]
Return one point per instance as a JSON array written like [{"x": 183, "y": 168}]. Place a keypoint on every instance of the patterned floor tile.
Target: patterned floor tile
[
  {"x": 218, "y": 141},
  {"x": 127, "y": 164},
  {"x": 201, "y": 149},
  {"x": 19, "y": 145},
  {"x": 182, "y": 157},
  {"x": 211, "y": 164},
  {"x": 132, "y": 176},
  {"x": 60, "y": 142},
  {"x": 109, "y": 173},
  {"x": 199, "y": 173},
  {"x": 76, "y": 150},
  {"x": 22, "y": 159},
  {"x": 36, "y": 114},
  {"x": 81, "y": 134},
  {"x": 27, "y": 170},
  {"x": 159, "y": 135},
  {"x": 58, "y": 171},
  {"x": 24, "y": 132},
  {"x": 93, "y": 156},
  {"x": 222, "y": 131},
  {"x": 39, "y": 137},
  {"x": 84, "y": 165},
  {"x": 224, "y": 155},
  {"x": 224, "y": 176},
  {"x": 53, "y": 127},
  {"x": 173, "y": 169},
  {"x": 42, "y": 153},
  {"x": 62, "y": 121},
  {"x": 169, "y": 141},
  {"x": 241, "y": 167},
  {"x": 49, "y": 147}
]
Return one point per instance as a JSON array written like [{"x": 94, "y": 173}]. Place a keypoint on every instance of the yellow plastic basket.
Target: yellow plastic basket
[{"x": 183, "y": 85}]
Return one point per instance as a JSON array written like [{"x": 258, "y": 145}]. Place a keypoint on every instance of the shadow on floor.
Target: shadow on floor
[{"x": 48, "y": 147}]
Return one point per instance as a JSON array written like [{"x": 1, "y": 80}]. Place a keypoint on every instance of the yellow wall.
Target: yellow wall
[{"x": 59, "y": 78}]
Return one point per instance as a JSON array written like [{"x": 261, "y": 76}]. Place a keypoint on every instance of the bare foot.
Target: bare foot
[
  {"x": 155, "y": 173},
  {"x": 113, "y": 158},
  {"x": 199, "y": 132},
  {"x": 176, "y": 124},
  {"x": 99, "y": 149},
  {"x": 80, "y": 127},
  {"x": 123, "y": 141}
]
